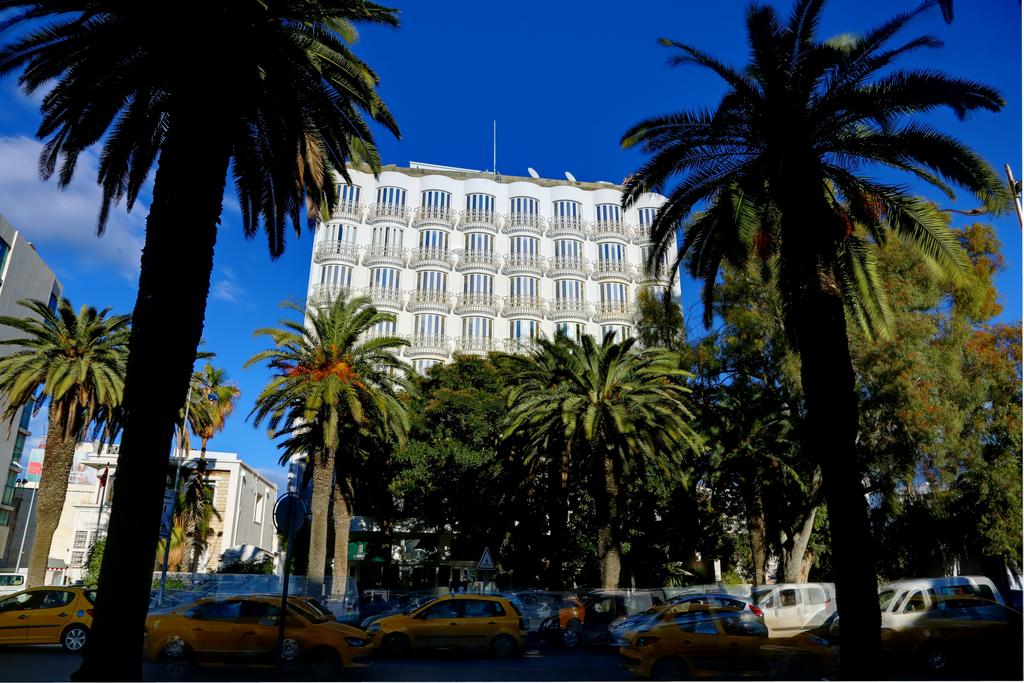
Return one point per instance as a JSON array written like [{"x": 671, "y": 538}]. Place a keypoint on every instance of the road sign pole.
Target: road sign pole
[
  {"x": 289, "y": 516},
  {"x": 285, "y": 578}
]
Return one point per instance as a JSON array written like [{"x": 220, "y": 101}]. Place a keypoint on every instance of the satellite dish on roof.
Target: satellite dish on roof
[
  {"x": 533, "y": 174},
  {"x": 570, "y": 176}
]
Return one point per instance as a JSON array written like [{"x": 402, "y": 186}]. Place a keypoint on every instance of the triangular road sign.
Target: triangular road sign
[{"x": 486, "y": 562}]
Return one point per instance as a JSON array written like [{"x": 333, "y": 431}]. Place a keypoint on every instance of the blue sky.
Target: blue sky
[{"x": 563, "y": 80}]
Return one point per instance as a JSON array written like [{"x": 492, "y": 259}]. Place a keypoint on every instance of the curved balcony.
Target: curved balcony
[
  {"x": 473, "y": 259},
  {"x": 434, "y": 215},
  {"x": 427, "y": 345},
  {"x": 611, "y": 230},
  {"x": 518, "y": 306},
  {"x": 608, "y": 311},
  {"x": 531, "y": 224},
  {"x": 523, "y": 345},
  {"x": 385, "y": 255},
  {"x": 642, "y": 234},
  {"x": 385, "y": 211},
  {"x": 477, "y": 346},
  {"x": 568, "y": 309},
  {"x": 567, "y": 226},
  {"x": 352, "y": 211},
  {"x": 429, "y": 301},
  {"x": 335, "y": 251},
  {"x": 385, "y": 298},
  {"x": 476, "y": 303},
  {"x": 478, "y": 219},
  {"x": 568, "y": 266},
  {"x": 619, "y": 269},
  {"x": 325, "y": 294},
  {"x": 523, "y": 264},
  {"x": 660, "y": 277},
  {"x": 430, "y": 257}
]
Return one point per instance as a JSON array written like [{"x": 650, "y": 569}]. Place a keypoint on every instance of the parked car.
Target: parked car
[
  {"x": 539, "y": 606},
  {"x": 599, "y": 609},
  {"x": 47, "y": 616},
  {"x": 982, "y": 637},
  {"x": 243, "y": 630},
  {"x": 723, "y": 642},
  {"x": 621, "y": 627},
  {"x": 462, "y": 621},
  {"x": 565, "y": 626},
  {"x": 12, "y": 582},
  {"x": 794, "y": 607},
  {"x": 902, "y": 601}
]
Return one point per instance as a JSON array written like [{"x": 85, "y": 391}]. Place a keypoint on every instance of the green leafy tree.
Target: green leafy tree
[
  {"x": 268, "y": 91},
  {"x": 77, "y": 361},
  {"x": 611, "y": 410},
  {"x": 93, "y": 562},
  {"x": 331, "y": 377},
  {"x": 780, "y": 163}
]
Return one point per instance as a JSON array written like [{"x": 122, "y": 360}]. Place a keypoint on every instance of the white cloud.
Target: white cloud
[
  {"x": 277, "y": 475},
  {"x": 48, "y": 216},
  {"x": 227, "y": 287}
]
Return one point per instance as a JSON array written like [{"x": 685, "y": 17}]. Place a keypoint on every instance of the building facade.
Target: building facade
[
  {"x": 243, "y": 508},
  {"x": 23, "y": 275},
  {"x": 471, "y": 262}
]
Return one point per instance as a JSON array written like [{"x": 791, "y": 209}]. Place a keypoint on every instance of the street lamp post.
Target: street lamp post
[{"x": 177, "y": 477}]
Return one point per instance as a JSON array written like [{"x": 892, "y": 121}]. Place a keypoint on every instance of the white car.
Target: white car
[
  {"x": 905, "y": 601},
  {"x": 790, "y": 608}
]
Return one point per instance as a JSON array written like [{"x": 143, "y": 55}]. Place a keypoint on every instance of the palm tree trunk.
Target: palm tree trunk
[
  {"x": 323, "y": 473},
  {"x": 342, "y": 524},
  {"x": 832, "y": 422},
  {"x": 53, "y": 489},
  {"x": 607, "y": 514},
  {"x": 167, "y": 323}
]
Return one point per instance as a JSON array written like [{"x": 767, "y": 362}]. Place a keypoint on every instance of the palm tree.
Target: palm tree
[
  {"x": 77, "y": 360},
  {"x": 779, "y": 162},
  {"x": 195, "y": 512},
  {"x": 270, "y": 91},
  {"x": 332, "y": 376},
  {"x": 609, "y": 408},
  {"x": 219, "y": 397}
]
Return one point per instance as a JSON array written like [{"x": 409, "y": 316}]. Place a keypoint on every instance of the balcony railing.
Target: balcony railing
[
  {"x": 612, "y": 268},
  {"x": 349, "y": 210},
  {"x": 476, "y": 258},
  {"x": 478, "y": 219},
  {"x": 567, "y": 226},
  {"x": 434, "y": 215},
  {"x": 661, "y": 275},
  {"x": 604, "y": 230},
  {"x": 469, "y": 303},
  {"x": 428, "y": 345},
  {"x": 385, "y": 255},
  {"x": 476, "y": 345},
  {"x": 605, "y": 311},
  {"x": 386, "y": 211},
  {"x": 568, "y": 309},
  {"x": 430, "y": 257},
  {"x": 522, "y": 345},
  {"x": 524, "y": 224},
  {"x": 642, "y": 234},
  {"x": 568, "y": 266},
  {"x": 325, "y": 294},
  {"x": 385, "y": 297},
  {"x": 523, "y": 264},
  {"x": 345, "y": 252},
  {"x": 426, "y": 300},
  {"x": 516, "y": 306}
]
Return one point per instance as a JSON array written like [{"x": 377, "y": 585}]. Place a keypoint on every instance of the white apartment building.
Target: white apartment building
[{"x": 472, "y": 262}]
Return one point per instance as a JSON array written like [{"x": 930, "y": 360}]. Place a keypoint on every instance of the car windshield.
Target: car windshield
[{"x": 885, "y": 598}]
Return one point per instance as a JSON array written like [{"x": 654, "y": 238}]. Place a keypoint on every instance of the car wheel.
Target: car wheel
[
  {"x": 397, "y": 645},
  {"x": 936, "y": 659},
  {"x": 289, "y": 650},
  {"x": 503, "y": 646},
  {"x": 75, "y": 638},
  {"x": 324, "y": 665},
  {"x": 669, "y": 670},
  {"x": 571, "y": 634}
]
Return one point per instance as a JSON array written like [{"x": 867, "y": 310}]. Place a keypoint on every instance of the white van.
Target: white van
[
  {"x": 793, "y": 607},
  {"x": 11, "y": 582},
  {"x": 903, "y": 602}
]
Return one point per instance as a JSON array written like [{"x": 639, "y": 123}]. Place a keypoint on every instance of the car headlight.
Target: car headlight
[
  {"x": 357, "y": 642},
  {"x": 374, "y": 627}
]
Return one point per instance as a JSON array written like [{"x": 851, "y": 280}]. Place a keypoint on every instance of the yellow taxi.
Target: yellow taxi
[
  {"x": 47, "y": 616},
  {"x": 722, "y": 643},
  {"x": 458, "y": 621},
  {"x": 243, "y": 630}
]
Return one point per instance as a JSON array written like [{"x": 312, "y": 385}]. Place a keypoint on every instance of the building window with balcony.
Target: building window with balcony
[
  {"x": 394, "y": 196},
  {"x": 385, "y": 278},
  {"x": 569, "y": 290},
  {"x": 525, "y": 245},
  {"x": 646, "y": 216},
  {"x": 613, "y": 291},
  {"x": 479, "y": 243},
  {"x": 526, "y": 206},
  {"x": 611, "y": 251},
  {"x": 336, "y": 275},
  {"x": 348, "y": 194},
  {"x": 431, "y": 281},
  {"x": 478, "y": 283},
  {"x": 476, "y": 327},
  {"x": 568, "y": 249},
  {"x": 618, "y": 333},
  {"x": 574, "y": 331},
  {"x": 19, "y": 447},
  {"x": 524, "y": 286},
  {"x": 339, "y": 232},
  {"x": 609, "y": 213},
  {"x": 436, "y": 199},
  {"x": 421, "y": 365},
  {"x": 385, "y": 328},
  {"x": 523, "y": 329},
  {"x": 387, "y": 236},
  {"x": 429, "y": 325},
  {"x": 567, "y": 209},
  {"x": 480, "y": 202},
  {"x": 434, "y": 240}
]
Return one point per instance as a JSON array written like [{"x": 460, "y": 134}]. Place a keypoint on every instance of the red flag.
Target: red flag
[{"x": 103, "y": 477}]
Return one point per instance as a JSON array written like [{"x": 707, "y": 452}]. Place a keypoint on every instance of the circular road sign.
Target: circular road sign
[{"x": 289, "y": 513}]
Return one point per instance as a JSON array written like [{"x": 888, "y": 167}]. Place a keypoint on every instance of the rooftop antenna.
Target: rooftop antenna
[
  {"x": 570, "y": 177},
  {"x": 533, "y": 174}
]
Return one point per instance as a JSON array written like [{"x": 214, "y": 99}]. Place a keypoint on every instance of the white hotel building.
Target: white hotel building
[{"x": 470, "y": 262}]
